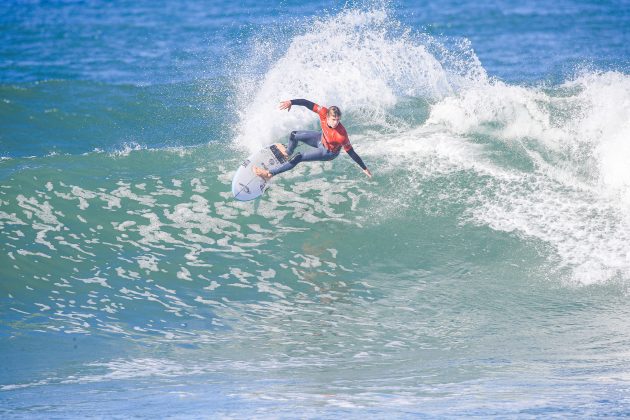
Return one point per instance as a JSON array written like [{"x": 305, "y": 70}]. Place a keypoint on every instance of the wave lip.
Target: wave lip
[
  {"x": 580, "y": 127},
  {"x": 362, "y": 61}
]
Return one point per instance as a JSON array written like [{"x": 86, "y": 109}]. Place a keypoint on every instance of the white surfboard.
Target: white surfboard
[{"x": 245, "y": 184}]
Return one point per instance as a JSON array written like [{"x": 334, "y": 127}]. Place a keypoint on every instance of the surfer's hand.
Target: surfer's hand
[
  {"x": 367, "y": 172},
  {"x": 285, "y": 105}
]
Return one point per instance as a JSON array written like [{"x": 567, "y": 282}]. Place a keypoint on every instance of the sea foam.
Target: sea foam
[{"x": 575, "y": 198}]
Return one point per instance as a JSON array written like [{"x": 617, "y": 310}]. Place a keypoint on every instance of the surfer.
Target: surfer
[{"x": 327, "y": 142}]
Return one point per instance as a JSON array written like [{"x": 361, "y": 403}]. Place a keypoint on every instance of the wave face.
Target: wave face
[
  {"x": 403, "y": 94},
  {"x": 483, "y": 271}
]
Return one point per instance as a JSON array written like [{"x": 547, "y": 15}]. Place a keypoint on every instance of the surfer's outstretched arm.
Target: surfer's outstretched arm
[
  {"x": 303, "y": 102},
  {"x": 359, "y": 161}
]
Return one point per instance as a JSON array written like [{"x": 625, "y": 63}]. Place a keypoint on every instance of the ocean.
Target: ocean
[{"x": 483, "y": 271}]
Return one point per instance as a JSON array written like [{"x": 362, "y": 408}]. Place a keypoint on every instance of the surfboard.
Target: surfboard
[{"x": 248, "y": 186}]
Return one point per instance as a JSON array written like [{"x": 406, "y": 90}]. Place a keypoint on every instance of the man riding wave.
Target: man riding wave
[{"x": 327, "y": 142}]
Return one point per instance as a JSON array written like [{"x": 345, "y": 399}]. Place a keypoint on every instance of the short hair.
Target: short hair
[{"x": 334, "y": 111}]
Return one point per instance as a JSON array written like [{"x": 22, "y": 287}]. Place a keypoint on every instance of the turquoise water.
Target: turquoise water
[{"x": 483, "y": 271}]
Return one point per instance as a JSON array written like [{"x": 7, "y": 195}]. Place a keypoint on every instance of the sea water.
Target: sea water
[{"x": 483, "y": 270}]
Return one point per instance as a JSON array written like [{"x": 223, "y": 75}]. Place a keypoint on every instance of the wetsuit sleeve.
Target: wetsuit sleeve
[
  {"x": 303, "y": 102},
  {"x": 356, "y": 158}
]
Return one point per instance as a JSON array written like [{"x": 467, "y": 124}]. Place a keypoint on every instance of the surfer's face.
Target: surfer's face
[{"x": 332, "y": 120}]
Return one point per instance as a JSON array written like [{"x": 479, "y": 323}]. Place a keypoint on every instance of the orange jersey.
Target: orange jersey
[{"x": 333, "y": 139}]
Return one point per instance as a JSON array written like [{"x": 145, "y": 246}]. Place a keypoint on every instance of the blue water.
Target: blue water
[{"x": 483, "y": 271}]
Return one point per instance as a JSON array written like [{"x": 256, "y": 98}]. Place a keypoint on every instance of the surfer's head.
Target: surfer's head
[{"x": 333, "y": 116}]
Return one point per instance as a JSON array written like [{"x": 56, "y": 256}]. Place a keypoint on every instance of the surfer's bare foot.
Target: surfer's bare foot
[
  {"x": 283, "y": 150},
  {"x": 263, "y": 173}
]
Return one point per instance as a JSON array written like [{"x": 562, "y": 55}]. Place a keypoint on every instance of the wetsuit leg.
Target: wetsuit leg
[
  {"x": 318, "y": 154},
  {"x": 309, "y": 137}
]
